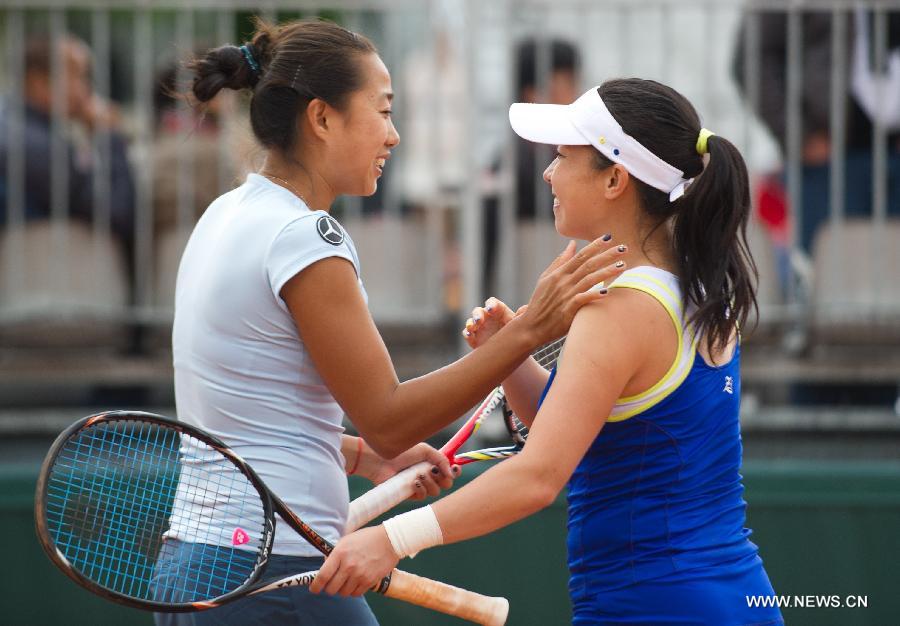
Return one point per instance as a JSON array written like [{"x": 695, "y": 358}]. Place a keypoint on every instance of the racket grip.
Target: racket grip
[
  {"x": 384, "y": 497},
  {"x": 448, "y": 599}
]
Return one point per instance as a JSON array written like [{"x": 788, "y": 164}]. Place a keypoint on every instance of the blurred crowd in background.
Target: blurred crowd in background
[{"x": 104, "y": 167}]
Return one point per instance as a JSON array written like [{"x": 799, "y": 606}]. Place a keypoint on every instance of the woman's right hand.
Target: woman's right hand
[{"x": 566, "y": 286}]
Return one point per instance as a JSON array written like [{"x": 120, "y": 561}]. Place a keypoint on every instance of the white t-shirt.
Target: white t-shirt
[{"x": 241, "y": 370}]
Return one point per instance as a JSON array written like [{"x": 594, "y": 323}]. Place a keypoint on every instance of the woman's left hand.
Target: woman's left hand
[
  {"x": 358, "y": 563},
  {"x": 428, "y": 482}
]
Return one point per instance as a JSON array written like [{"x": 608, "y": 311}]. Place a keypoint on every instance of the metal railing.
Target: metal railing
[{"x": 453, "y": 65}]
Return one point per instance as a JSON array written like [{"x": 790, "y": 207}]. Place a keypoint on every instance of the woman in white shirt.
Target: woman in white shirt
[{"x": 273, "y": 342}]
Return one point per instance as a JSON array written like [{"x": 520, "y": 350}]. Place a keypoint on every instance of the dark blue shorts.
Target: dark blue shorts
[{"x": 291, "y": 606}]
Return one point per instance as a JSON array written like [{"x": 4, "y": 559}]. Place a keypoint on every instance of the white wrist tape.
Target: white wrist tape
[{"x": 414, "y": 531}]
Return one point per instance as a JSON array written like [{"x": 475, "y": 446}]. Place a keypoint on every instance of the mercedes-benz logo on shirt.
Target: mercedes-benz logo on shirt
[{"x": 330, "y": 230}]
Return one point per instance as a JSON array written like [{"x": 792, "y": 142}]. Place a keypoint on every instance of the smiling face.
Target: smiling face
[
  {"x": 578, "y": 192},
  {"x": 365, "y": 133}
]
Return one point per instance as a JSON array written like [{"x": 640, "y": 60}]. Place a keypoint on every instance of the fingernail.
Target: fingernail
[
  {"x": 603, "y": 291},
  {"x": 435, "y": 470},
  {"x": 606, "y": 237},
  {"x": 467, "y": 333},
  {"x": 489, "y": 308},
  {"x": 621, "y": 247},
  {"x": 477, "y": 318},
  {"x": 620, "y": 263}
]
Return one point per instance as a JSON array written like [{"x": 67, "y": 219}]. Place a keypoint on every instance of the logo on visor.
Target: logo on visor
[{"x": 330, "y": 230}]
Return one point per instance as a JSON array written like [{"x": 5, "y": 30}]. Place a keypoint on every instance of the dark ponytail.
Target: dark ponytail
[
  {"x": 711, "y": 242},
  {"x": 718, "y": 274},
  {"x": 286, "y": 67}
]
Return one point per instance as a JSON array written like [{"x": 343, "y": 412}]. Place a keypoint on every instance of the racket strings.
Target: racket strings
[
  {"x": 548, "y": 354},
  {"x": 97, "y": 536},
  {"x": 213, "y": 502},
  {"x": 120, "y": 492}
]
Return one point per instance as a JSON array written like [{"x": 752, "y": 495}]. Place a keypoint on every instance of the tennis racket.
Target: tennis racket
[
  {"x": 159, "y": 515},
  {"x": 399, "y": 487}
]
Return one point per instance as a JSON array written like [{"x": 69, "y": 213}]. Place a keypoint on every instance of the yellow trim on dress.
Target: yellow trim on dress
[
  {"x": 649, "y": 405},
  {"x": 676, "y": 301},
  {"x": 679, "y": 329}
]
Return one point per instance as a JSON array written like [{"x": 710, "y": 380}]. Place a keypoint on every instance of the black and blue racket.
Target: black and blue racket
[{"x": 158, "y": 515}]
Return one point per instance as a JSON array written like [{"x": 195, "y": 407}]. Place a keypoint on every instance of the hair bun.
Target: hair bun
[
  {"x": 222, "y": 67},
  {"x": 268, "y": 63}
]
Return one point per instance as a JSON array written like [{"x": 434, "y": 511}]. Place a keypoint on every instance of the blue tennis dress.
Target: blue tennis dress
[{"x": 656, "y": 513}]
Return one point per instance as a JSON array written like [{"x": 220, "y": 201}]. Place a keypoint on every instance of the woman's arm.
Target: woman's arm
[
  {"x": 523, "y": 387},
  {"x": 349, "y": 354},
  {"x": 569, "y": 420}
]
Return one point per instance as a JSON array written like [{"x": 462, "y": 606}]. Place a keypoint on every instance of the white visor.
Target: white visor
[{"x": 587, "y": 122}]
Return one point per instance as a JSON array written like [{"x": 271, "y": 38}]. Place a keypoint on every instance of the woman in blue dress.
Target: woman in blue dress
[{"x": 640, "y": 418}]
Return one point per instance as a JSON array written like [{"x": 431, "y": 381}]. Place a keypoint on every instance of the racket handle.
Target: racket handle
[
  {"x": 384, "y": 497},
  {"x": 448, "y": 599}
]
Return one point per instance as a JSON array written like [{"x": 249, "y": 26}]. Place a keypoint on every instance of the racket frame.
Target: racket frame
[
  {"x": 500, "y": 452},
  {"x": 398, "y": 584},
  {"x": 140, "y": 417}
]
